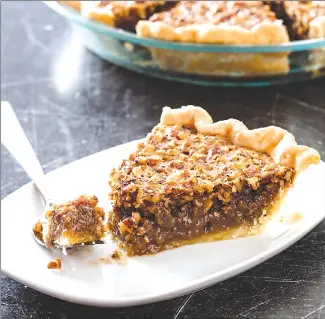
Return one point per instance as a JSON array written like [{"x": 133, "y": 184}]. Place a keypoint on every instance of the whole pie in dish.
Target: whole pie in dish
[
  {"x": 75, "y": 222},
  {"x": 218, "y": 22},
  {"x": 192, "y": 177}
]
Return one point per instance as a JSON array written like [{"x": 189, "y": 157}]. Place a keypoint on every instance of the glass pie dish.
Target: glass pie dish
[{"x": 206, "y": 64}]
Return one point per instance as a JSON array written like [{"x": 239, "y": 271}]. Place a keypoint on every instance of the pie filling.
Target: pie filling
[
  {"x": 74, "y": 222},
  {"x": 180, "y": 184},
  {"x": 141, "y": 233}
]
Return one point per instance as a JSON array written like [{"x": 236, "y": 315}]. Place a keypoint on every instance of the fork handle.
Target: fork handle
[{"x": 16, "y": 142}]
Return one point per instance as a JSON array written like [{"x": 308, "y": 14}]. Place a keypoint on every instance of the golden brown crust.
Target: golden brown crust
[
  {"x": 249, "y": 23},
  {"x": 275, "y": 141},
  {"x": 262, "y": 33}
]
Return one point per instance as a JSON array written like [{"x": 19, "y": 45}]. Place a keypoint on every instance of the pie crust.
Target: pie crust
[
  {"x": 267, "y": 32},
  {"x": 275, "y": 141},
  {"x": 192, "y": 177}
]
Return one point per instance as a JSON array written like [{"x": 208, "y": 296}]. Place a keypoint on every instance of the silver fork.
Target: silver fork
[{"x": 18, "y": 145}]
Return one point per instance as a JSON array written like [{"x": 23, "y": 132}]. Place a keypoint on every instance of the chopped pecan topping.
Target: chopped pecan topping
[{"x": 160, "y": 170}]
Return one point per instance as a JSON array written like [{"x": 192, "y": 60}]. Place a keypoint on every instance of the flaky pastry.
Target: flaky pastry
[{"x": 275, "y": 141}]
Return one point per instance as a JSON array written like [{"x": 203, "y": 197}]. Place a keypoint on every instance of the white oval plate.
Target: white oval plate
[{"x": 84, "y": 279}]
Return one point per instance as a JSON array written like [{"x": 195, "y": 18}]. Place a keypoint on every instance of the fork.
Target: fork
[{"x": 18, "y": 145}]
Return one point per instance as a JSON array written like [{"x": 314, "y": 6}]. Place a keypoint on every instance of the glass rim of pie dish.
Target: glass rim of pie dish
[{"x": 74, "y": 16}]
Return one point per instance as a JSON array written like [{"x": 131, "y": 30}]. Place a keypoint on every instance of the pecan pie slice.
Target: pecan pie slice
[
  {"x": 191, "y": 177},
  {"x": 218, "y": 22},
  {"x": 75, "y": 222}
]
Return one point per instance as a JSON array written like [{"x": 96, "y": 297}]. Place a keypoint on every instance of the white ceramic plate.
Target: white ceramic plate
[{"x": 84, "y": 279}]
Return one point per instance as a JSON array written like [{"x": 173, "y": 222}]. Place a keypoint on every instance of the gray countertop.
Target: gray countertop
[{"x": 72, "y": 104}]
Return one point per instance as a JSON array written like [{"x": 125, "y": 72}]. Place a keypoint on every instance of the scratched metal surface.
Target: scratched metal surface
[{"x": 72, "y": 104}]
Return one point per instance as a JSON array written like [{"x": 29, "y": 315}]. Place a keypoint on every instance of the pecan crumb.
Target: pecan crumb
[
  {"x": 116, "y": 255},
  {"x": 55, "y": 264}
]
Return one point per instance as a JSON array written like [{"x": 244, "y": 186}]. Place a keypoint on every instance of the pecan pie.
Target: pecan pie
[
  {"x": 74, "y": 222},
  {"x": 191, "y": 177},
  {"x": 218, "y": 22}
]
